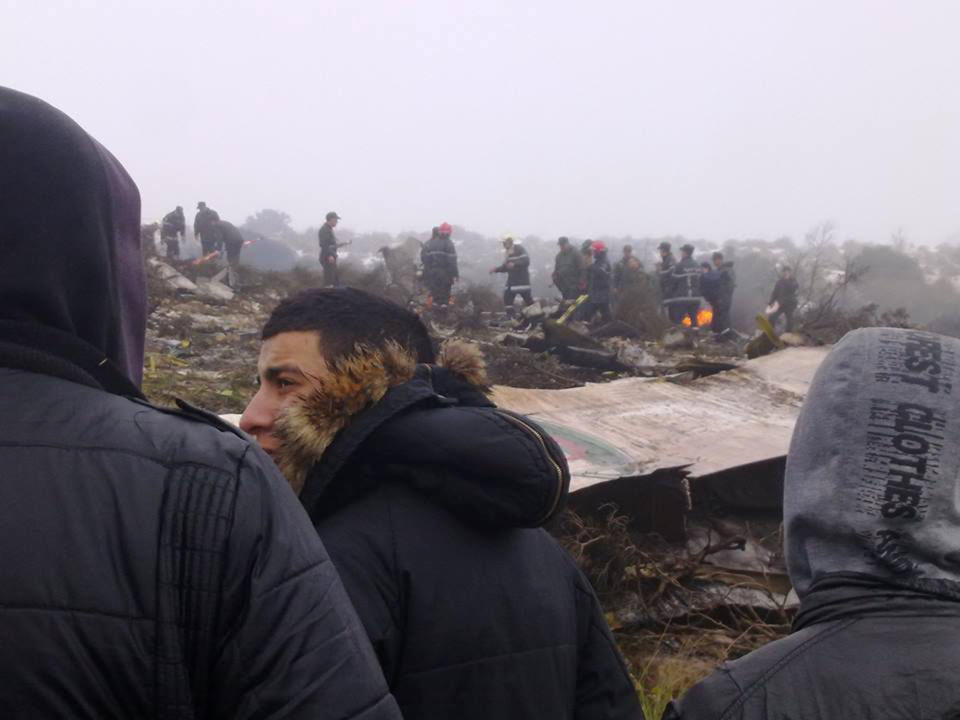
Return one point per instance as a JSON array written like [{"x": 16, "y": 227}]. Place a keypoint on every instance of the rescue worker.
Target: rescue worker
[
  {"x": 667, "y": 281},
  {"x": 204, "y": 228},
  {"x": 785, "y": 296},
  {"x": 439, "y": 259},
  {"x": 231, "y": 239},
  {"x": 598, "y": 290},
  {"x": 566, "y": 270},
  {"x": 172, "y": 231},
  {"x": 721, "y": 282},
  {"x": 431, "y": 502},
  {"x": 517, "y": 268},
  {"x": 328, "y": 250},
  {"x": 586, "y": 259},
  {"x": 870, "y": 542},
  {"x": 686, "y": 286},
  {"x": 628, "y": 272}
]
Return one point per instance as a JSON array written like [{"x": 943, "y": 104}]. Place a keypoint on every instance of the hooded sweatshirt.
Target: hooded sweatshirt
[
  {"x": 72, "y": 282},
  {"x": 872, "y": 544}
]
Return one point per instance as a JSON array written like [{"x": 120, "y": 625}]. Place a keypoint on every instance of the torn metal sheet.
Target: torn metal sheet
[{"x": 636, "y": 426}]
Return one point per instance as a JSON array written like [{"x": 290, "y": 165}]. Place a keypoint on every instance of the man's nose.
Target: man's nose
[{"x": 257, "y": 417}]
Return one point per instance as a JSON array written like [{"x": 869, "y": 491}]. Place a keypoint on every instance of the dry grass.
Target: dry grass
[{"x": 652, "y": 593}]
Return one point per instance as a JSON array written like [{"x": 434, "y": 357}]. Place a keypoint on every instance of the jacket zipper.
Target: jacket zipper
[{"x": 558, "y": 495}]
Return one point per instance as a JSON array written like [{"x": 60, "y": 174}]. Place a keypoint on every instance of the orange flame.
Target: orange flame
[{"x": 704, "y": 317}]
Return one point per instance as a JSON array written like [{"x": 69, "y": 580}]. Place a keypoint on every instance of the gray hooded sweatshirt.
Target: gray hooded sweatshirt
[{"x": 872, "y": 521}]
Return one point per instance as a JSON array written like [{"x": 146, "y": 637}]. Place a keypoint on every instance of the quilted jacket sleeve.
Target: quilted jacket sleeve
[{"x": 296, "y": 648}]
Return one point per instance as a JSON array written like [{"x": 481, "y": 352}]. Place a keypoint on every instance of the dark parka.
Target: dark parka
[
  {"x": 686, "y": 279},
  {"x": 566, "y": 272},
  {"x": 871, "y": 527},
  {"x": 599, "y": 278},
  {"x": 155, "y": 564},
  {"x": 173, "y": 222},
  {"x": 204, "y": 226},
  {"x": 785, "y": 294},
  {"x": 665, "y": 274},
  {"x": 231, "y": 238},
  {"x": 328, "y": 245},
  {"x": 439, "y": 258},
  {"x": 517, "y": 268},
  {"x": 429, "y": 502}
]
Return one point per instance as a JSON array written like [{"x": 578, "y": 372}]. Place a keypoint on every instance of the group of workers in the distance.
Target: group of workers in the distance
[
  {"x": 584, "y": 276},
  {"x": 219, "y": 239}
]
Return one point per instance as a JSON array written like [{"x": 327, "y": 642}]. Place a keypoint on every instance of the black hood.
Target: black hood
[
  {"x": 380, "y": 417},
  {"x": 72, "y": 282},
  {"x": 440, "y": 436}
]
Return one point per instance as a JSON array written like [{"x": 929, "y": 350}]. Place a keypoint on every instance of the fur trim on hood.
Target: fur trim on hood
[{"x": 354, "y": 384}]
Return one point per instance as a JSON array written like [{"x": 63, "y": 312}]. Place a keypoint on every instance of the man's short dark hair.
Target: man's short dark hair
[
  {"x": 718, "y": 255},
  {"x": 346, "y": 317}
]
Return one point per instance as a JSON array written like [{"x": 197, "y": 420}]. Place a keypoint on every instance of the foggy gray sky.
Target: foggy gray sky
[{"x": 710, "y": 119}]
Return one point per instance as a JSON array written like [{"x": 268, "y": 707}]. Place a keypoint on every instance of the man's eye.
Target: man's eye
[{"x": 284, "y": 383}]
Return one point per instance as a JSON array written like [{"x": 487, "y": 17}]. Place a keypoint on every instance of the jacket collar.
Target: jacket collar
[{"x": 361, "y": 393}]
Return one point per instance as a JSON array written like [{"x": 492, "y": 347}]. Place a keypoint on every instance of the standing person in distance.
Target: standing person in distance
[
  {"x": 328, "y": 250},
  {"x": 566, "y": 270},
  {"x": 785, "y": 296},
  {"x": 668, "y": 284},
  {"x": 599, "y": 285},
  {"x": 204, "y": 227},
  {"x": 173, "y": 230},
  {"x": 722, "y": 282},
  {"x": 516, "y": 265},
  {"x": 440, "y": 268},
  {"x": 686, "y": 286}
]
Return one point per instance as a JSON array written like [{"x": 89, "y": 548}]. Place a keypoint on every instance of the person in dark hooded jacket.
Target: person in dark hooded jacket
[
  {"x": 599, "y": 285},
  {"x": 172, "y": 231},
  {"x": 718, "y": 285},
  {"x": 871, "y": 527},
  {"x": 205, "y": 228},
  {"x": 566, "y": 270},
  {"x": 430, "y": 500},
  {"x": 155, "y": 564}
]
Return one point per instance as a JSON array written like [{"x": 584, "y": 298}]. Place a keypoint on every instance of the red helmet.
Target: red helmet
[
  {"x": 446, "y": 229},
  {"x": 599, "y": 246}
]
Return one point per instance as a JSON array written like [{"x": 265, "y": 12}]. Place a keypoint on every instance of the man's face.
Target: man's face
[
  {"x": 785, "y": 274},
  {"x": 332, "y": 222},
  {"x": 627, "y": 252},
  {"x": 718, "y": 262},
  {"x": 288, "y": 368},
  {"x": 664, "y": 252}
]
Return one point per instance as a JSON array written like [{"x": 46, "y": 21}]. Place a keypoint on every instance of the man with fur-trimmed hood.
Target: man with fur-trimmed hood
[{"x": 430, "y": 500}]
